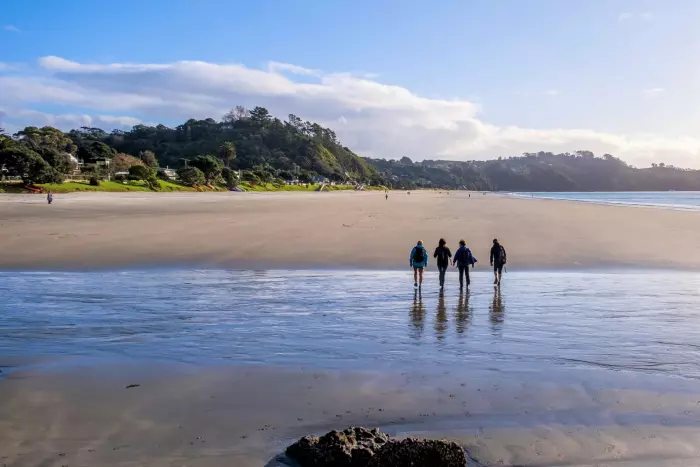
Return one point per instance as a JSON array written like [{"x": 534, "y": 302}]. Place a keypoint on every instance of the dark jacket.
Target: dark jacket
[
  {"x": 498, "y": 254},
  {"x": 464, "y": 256},
  {"x": 443, "y": 255}
]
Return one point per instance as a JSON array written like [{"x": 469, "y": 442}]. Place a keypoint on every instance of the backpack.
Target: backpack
[
  {"x": 466, "y": 256},
  {"x": 419, "y": 255},
  {"x": 501, "y": 257}
]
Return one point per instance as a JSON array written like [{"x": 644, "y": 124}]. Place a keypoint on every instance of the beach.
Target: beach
[
  {"x": 333, "y": 230},
  {"x": 216, "y": 329}
]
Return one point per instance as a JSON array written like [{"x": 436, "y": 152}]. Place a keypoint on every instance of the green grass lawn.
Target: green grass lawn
[{"x": 72, "y": 187}]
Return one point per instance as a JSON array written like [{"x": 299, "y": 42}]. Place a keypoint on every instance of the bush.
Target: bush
[
  {"x": 142, "y": 172},
  {"x": 230, "y": 177},
  {"x": 94, "y": 181},
  {"x": 191, "y": 176}
]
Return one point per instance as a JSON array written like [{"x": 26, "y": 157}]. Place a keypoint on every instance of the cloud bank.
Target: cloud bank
[{"x": 372, "y": 118}]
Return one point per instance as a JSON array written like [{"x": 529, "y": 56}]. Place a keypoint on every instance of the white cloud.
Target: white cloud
[
  {"x": 629, "y": 16},
  {"x": 551, "y": 92},
  {"x": 654, "y": 91},
  {"x": 372, "y": 118},
  {"x": 11, "y": 28},
  {"x": 277, "y": 67}
]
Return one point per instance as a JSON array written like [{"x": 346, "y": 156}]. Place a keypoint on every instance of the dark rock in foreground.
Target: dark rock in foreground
[
  {"x": 419, "y": 452},
  {"x": 361, "y": 447}
]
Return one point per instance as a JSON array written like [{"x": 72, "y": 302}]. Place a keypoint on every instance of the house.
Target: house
[{"x": 168, "y": 173}]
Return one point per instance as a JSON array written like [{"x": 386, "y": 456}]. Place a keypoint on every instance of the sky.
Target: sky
[{"x": 452, "y": 79}]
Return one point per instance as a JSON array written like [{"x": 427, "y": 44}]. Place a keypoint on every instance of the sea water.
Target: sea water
[
  {"x": 644, "y": 321},
  {"x": 681, "y": 200}
]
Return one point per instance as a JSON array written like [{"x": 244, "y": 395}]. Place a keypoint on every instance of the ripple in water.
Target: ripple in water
[{"x": 643, "y": 321}]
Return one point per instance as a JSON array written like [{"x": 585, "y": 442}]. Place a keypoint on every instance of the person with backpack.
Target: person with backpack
[
  {"x": 498, "y": 260},
  {"x": 443, "y": 255},
  {"x": 463, "y": 259},
  {"x": 419, "y": 261}
]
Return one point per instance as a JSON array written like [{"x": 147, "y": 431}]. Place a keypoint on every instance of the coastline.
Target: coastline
[
  {"x": 545, "y": 196},
  {"x": 337, "y": 230}
]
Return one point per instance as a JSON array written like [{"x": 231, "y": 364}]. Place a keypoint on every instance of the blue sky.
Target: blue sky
[{"x": 455, "y": 79}]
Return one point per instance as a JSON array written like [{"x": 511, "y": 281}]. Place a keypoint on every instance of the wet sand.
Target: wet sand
[
  {"x": 246, "y": 416},
  {"x": 333, "y": 230}
]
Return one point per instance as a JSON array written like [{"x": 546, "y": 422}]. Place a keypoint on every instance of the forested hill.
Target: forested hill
[
  {"x": 247, "y": 140},
  {"x": 542, "y": 171},
  {"x": 267, "y": 148}
]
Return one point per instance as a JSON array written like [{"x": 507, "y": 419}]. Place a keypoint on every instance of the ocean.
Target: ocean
[
  {"x": 683, "y": 200},
  {"x": 635, "y": 322}
]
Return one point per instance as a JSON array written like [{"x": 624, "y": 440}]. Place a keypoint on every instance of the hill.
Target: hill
[
  {"x": 542, "y": 171},
  {"x": 267, "y": 149}
]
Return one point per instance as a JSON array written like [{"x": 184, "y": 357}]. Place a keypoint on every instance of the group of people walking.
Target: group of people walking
[{"x": 463, "y": 259}]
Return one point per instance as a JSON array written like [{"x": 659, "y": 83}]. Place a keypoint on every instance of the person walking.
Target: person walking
[
  {"x": 49, "y": 197},
  {"x": 419, "y": 261},
  {"x": 498, "y": 260},
  {"x": 443, "y": 255},
  {"x": 463, "y": 259}
]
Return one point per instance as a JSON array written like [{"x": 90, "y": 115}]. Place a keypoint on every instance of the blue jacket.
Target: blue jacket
[
  {"x": 463, "y": 253},
  {"x": 425, "y": 255}
]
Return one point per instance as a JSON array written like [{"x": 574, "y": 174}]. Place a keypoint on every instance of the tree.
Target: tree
[
  {"x": 141, "y": 172},
  {"x": 209, "y": 165},
  {"x": 236, "y": 114},
  {"x": 20, "y": 161},
  {"x": 96, "y": 150},
  {"x": 190, "y": 176},
  {"x": 227, "y": 152},
  {"x": 123, "y": 162},
  {"x": 230, "y": 177},
  {"x": 149, "y": 158}
]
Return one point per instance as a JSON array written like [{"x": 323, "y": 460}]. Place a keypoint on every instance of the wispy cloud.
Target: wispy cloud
[
  {"x": 277, "y": 67},
  {"x": 11, "y": 28},
  {"x": 630, "y": 16},
  {"x": 551, "y": 92},
  {"x": 654, "y": 91}
]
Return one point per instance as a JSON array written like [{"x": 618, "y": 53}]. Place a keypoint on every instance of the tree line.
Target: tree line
[{"x": 263, "y": 148}]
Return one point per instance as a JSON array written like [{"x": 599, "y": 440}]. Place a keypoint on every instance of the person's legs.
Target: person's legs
[
  {"x": 466, "y": 273},
  {"x": 500, "y": 272},
  {"x": 495, "y": 273},
  {"x": 442, "y": 270},
  {"x": 415, "y": 277},
  {"x": 462, "y": 271},
  {"x": 420, "y": 276}
]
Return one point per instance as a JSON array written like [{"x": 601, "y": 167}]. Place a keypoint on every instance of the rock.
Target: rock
[
  {"x": 352, "y": 447},
  {"x": 418, "y": 452}
]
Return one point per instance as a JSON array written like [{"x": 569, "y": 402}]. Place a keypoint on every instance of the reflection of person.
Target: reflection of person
[
  {"x": 419, "y": 260},
  {"x": 462, "y": 313},
  {"x": 441, "y": 318},
  {"x": 498, "y": 260},
  {"x": 497, "y": 309},
  {"x": 443, "y": 255},
  {"x": 417, "y": 314}
]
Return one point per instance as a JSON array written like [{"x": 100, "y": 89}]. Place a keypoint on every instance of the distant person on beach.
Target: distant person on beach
[
  {"x": 443, "y": 255},
  {"x": 498, "y": 260},
  {"x": 419, "y": 261},
  {"x": 49, "y": 197},
  {"x": 463, "y": 259},
  {"x": 387, "y": 196}
]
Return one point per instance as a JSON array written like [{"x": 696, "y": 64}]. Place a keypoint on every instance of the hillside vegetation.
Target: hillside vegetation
[{"x": 265, "y": 151}]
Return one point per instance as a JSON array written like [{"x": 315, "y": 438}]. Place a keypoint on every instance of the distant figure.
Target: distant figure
[
  {"x": 419, "y": 261},
  {"x": 463, "y": 259},
  {"x": 387, "y": 196},
  {"x": 443, "y": 255},
  {"x": 498, "y": 260},
  {"x": 470, "y": 195},
  {"x": 49, "y": 197}
]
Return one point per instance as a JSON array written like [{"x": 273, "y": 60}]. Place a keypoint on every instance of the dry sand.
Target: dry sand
[
  {"x": 335, "y": 230},
  {"x": 246, "y": 416}
]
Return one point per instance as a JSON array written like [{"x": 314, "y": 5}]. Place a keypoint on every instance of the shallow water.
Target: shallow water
[
  {"x": 632, "y": 321},
  {"x": 680, "y": 200}
]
